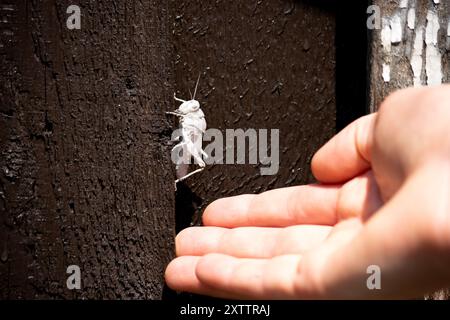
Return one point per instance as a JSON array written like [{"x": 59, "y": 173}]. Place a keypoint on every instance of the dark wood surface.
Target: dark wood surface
[
  {"x": 264, "y": 65},
  {"x": 86, "y": 177}
]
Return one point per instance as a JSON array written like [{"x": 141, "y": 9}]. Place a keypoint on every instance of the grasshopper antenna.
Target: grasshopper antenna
[
  {"x": 191, "y": 94},
  {"x": 196, "y": 85}
]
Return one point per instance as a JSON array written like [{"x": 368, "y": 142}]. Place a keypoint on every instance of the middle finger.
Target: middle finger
[{"x": 250, "y": 242}]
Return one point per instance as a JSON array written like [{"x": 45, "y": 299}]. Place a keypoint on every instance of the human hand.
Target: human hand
[{"x": 383, "y": 199}]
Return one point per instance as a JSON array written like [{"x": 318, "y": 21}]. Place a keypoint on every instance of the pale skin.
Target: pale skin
[{"x": 382, "y": 198}]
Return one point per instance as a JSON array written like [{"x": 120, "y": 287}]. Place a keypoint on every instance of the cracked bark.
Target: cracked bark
[{"x": 402, "y": 56}]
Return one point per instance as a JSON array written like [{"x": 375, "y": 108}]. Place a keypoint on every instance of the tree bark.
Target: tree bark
[
  {"x": 421, "y": 56},
  {"x": 86, "y": 177}
]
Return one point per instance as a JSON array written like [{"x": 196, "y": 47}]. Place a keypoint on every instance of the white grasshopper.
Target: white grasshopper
[{"x": 193, "y": 126}]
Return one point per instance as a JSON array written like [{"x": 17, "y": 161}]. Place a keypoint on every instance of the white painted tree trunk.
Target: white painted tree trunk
[{"x": 411, "y": 48}]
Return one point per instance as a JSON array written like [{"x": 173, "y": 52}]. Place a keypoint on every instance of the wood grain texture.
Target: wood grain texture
[{"x": 86, "y": 176}]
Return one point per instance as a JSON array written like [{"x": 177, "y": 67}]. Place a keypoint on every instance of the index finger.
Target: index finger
[{"x": 309, "y": 204}]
